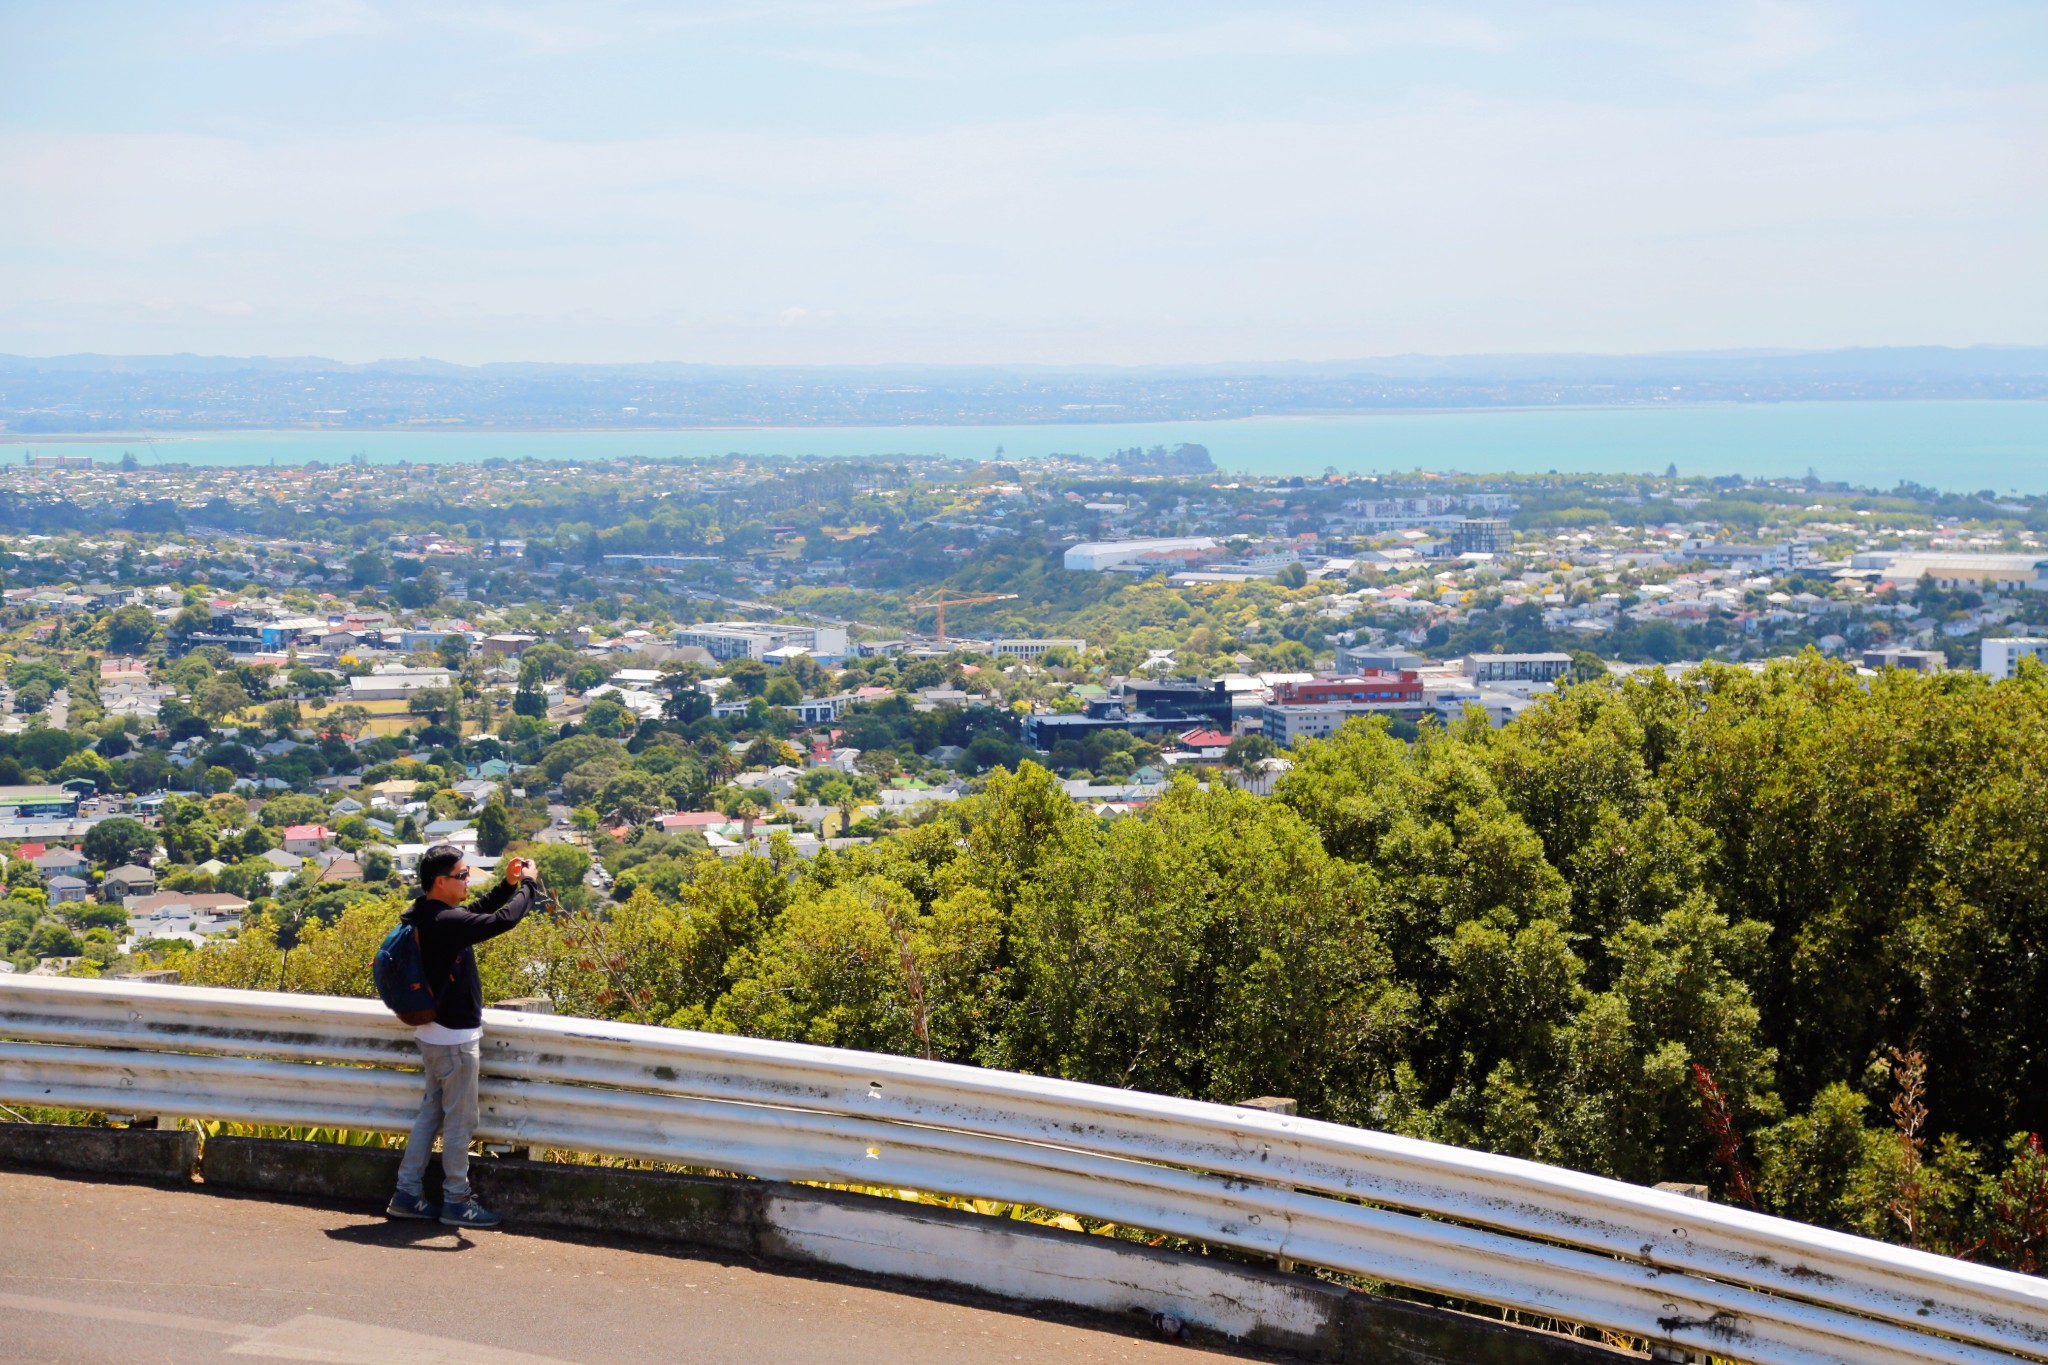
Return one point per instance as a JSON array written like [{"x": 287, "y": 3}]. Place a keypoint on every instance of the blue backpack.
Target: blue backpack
[{"x": 400, "y": 972}]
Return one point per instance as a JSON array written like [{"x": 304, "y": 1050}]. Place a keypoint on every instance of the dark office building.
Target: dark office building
[{"x": 1181, "y": 700}]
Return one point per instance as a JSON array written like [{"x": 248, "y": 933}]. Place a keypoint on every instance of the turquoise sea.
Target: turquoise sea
[{"x": 1961, "y": 445}]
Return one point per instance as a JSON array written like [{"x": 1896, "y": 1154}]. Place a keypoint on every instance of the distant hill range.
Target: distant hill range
[{"x": 88, "y": 393}]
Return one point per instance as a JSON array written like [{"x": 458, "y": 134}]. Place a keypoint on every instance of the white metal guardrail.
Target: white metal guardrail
[{"x": 1496, "y": 1230}]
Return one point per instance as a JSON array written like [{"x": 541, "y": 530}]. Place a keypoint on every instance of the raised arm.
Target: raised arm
[{"x": 497, "y": 909}]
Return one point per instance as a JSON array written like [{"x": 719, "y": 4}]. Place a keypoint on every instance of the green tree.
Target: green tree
[
  {"x": 633, "y": 797},
  {"x": 219, "y": 697},
  {"x": 367, "y": 569},
  {"x": 188, "y": 831},
  {"x": 494, "y": 829},
  {"x": 686, "y": 701},
  {"x": 350, "y": 721},
  {"x": 1587, "y": 666},
  {"x": 435, "y": 705},
  {"x": 111, "y": 843},
  {"x": 292, "y": 808},
  {"x": 562, "y": 757},
  {"x": 1212, "y": 949},
  {"x": 130, "y": 630},
  {"x": 750, "y": 676}
]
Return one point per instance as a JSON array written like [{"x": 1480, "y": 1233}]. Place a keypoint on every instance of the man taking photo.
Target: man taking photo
[{"x": 451, "y": 1047}]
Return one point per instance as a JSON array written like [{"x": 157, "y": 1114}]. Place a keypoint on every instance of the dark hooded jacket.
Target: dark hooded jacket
[{"x": 448, "y": 938}]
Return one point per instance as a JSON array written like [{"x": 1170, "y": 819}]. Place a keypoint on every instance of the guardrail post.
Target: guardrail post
[
  {"x": 1681, "y": 1187},
  {"x": 1274, "y": 1104},
  {"x": 1664, "y": 1352},
  {"x": 525, "y": 1004}
]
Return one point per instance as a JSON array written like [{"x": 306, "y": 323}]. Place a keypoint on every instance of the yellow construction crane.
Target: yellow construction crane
[{"x": 937, "y": 598}]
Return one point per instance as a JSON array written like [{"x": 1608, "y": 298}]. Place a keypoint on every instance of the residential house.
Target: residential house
[
  {"x": 61, "y": 890},
  {"x": 458, "y": 832},
  {"x": 779, "y": 781},
  {"x": 215, "y": 903},
  {"x": 696, "y": 821},
  {"x": 117, "y": 886},
  {"x": 194, "y": 916},
  {"x": 395, "y": 792},
  {"x": 1096, "y": 794},
  {"x": 475, "y": 790},
  {"x": 60, "y": 862},
  {"x": 305, "y": 840},
  {"x": 901, "y": 800},
  {"x": 828, "y": 819},
  {"x": 342, "y": 869},
  {"x": 823, "y": 710}
]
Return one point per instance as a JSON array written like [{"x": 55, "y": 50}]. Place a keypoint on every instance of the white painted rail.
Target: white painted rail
[{"x": 1491, "y": 1229}]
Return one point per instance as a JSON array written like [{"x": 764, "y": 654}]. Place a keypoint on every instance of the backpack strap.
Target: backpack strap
[{"x": 421, "y": 949}]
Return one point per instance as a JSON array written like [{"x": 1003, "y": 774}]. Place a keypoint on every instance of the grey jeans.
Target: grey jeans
[{"x": 449, "y": 1108}]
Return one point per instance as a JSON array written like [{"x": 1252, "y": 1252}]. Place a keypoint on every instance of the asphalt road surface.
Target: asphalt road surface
[{"x": 99, "y": 1272}]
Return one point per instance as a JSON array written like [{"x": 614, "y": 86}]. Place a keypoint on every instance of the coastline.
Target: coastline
[
  {"x": 1957, "y": 444},
  {"x": 10, "y": 437}
]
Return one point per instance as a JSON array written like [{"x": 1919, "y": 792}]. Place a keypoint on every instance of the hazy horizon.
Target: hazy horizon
[
  {"x": 2035, "y": 354},
  {"x": 884, "y": 181}
]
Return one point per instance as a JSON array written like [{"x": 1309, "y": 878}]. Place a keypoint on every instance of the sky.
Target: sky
[{"x": 1107, "y": 182}]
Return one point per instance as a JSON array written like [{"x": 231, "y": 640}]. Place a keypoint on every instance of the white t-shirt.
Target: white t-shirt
[{"x": 444, "y": 1036}]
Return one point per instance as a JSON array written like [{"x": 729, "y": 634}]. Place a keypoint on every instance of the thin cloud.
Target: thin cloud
[
  {"x": 1771, "y": 36},
  {"x": 534, "y": 30},
  {"x": 1280, "y": 34},
  {"x": 287, "y": 24}
]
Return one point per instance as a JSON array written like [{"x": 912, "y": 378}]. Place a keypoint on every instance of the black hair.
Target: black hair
[{"x": 437, "y": 862}]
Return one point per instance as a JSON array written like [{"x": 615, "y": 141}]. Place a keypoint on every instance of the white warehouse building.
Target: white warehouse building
[
  {"x": 1957, "y": 570},
  {"x": 1095, "y": 555}
]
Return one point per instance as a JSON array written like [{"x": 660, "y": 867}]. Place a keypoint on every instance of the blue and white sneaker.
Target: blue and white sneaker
[
  {"x": 470, "y": 1215},
  {"x": 405, "y": 1205}
]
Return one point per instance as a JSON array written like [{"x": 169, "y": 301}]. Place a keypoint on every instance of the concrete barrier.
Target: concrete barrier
[
  {"x": 327, "y": 1171},
  {"x": 165, "y": 1156},
  {"x": 926, "y": 1245}
]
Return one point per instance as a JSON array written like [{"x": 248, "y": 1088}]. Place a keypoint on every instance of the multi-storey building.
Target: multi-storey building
[
  {"x": 753, "y": 640},
  {"x": 1493, "y": 668},
  {"x": 1316, "y": 709}
]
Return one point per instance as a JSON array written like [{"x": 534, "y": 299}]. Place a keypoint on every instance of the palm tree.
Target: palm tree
[{"x": 1247, "y": 753}]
